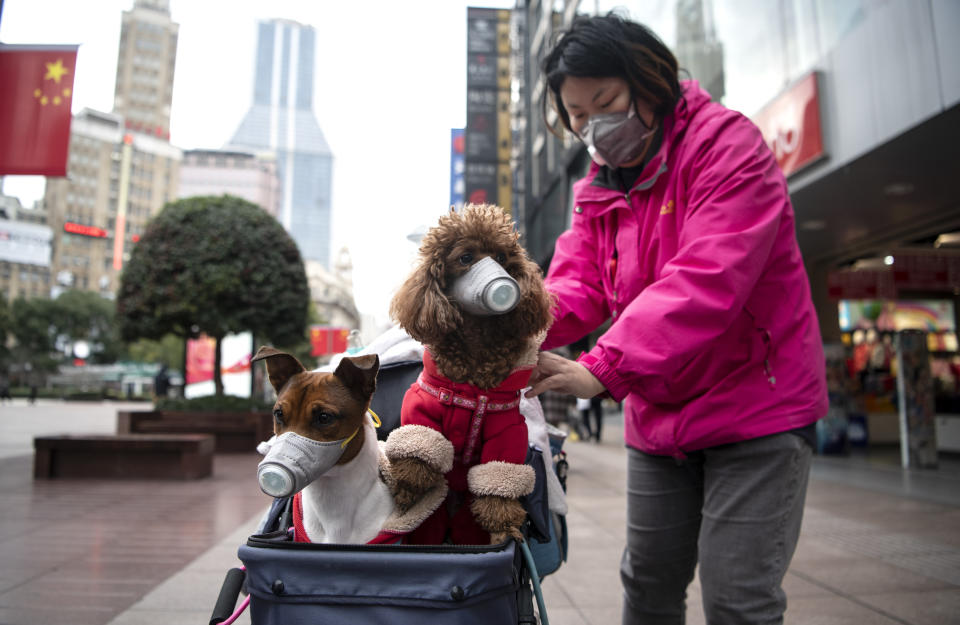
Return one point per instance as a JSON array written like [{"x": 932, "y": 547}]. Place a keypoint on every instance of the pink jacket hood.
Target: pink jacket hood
[{"x": 713, "y": 336}]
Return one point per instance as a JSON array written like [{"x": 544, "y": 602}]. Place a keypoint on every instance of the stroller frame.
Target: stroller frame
[{"x": 293, "y": 583}]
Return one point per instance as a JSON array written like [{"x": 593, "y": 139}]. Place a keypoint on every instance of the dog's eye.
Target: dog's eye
[
  {"x": 501, "y": 258},
  {"x": 322, "y": 418},
  {"x": 466, "y": 259},
  {"x": 278, "y": 415}
]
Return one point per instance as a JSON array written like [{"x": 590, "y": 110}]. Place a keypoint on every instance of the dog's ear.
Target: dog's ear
[
  {"x": 359, "y": 373},
  {"x": 534, "y": 312},
  {"x": 281, "y": 366},
  {"x": 421, "y": 307}
]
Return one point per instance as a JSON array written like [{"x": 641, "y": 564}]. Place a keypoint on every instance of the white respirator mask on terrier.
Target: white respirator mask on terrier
[
  {"x": 292, "y": 461},
  {"x": 615, "y": 138},
  {"x": 486, "y": 289}
]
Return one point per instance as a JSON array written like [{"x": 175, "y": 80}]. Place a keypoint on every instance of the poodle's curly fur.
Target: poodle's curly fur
[{"x": 479, "y": 350}]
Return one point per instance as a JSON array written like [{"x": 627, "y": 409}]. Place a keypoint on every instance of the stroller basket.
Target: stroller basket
[{"x": 291, "y": 583}]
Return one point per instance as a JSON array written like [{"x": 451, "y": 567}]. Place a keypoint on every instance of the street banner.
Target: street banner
[
  {"x": 36, "y": 89},
  {"x": 236, "y": 352}
]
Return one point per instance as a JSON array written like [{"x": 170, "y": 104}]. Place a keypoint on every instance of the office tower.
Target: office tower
[
  {"x": 281, "y": 120},
  {"x": 145, "y": 64}
]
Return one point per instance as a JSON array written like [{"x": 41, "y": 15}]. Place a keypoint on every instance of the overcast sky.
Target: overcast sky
[{"x": 390, "y": 84}]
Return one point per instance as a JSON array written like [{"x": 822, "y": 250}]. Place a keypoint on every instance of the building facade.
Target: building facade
[
  {"x": 331, "y": 291},
  {"x": 252, "y": 177},
  {"x": 116, "y": 182},
  {"x": 24, "y": 250},
  {"x": 145, "y": 65},
  {"x": 281, "y": 120}
]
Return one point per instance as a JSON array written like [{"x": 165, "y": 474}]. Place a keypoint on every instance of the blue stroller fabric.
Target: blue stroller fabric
[{"x": 292, "y": 583}]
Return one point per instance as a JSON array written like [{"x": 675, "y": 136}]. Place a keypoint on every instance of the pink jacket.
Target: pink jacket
[{"x": 713, "y": 338}]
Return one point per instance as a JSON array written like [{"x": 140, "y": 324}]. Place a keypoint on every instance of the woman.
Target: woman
[{"x": 682, "y": 233}]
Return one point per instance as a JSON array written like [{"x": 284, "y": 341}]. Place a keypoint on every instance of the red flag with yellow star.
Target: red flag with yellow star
[{"x": 36, "y": 89}]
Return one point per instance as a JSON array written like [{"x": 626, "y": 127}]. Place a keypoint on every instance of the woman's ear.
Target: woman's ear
[{"x": 421, "y": 307}]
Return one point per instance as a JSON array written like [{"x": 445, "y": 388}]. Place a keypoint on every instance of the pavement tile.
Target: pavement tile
[
  {"x": 568, "y": 616},
  {"x": 858, "y": 576},
  {"x": 835, "y": 610},
  {"x": 921, "y": 607}
]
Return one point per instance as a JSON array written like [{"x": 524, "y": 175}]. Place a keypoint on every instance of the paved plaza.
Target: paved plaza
[{"x": 879, "y": 545}]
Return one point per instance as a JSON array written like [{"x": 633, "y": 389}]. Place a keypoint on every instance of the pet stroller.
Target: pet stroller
[{"x": 292, "y": 583}]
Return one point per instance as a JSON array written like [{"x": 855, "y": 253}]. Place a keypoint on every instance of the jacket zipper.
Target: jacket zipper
[{"x": 768, "y": 350}]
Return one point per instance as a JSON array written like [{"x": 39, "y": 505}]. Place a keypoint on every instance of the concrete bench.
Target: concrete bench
[
  {"x": 127, "y": 456},
  {"x": 234, "y": 432}
]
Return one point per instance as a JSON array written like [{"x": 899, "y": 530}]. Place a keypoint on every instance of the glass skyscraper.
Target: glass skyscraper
[{"x": 282, "y": 121}]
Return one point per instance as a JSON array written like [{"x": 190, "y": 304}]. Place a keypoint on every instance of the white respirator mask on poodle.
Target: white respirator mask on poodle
[{"x": 486, "y": 289}]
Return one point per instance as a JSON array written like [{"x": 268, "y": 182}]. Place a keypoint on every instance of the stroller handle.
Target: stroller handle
[{"x": 229, "y": 591}]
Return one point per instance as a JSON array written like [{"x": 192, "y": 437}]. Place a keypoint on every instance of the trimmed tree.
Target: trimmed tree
[{"x": 214, "y": 266}]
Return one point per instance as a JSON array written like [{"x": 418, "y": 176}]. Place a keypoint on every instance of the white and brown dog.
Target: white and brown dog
[{"x": 325, "y": 454}]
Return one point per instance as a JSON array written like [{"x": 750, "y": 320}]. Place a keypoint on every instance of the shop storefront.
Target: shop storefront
[{"x": 903, "y": 315}]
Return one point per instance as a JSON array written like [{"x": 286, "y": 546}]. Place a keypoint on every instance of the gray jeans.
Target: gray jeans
[{"x": 734, "y": 508}]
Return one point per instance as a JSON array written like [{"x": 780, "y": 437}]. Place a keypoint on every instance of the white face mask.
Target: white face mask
[
  {"x": 292, "y": 461},
  {"x": 486, "y": 289},
  {"x": 615, "y": 138}
]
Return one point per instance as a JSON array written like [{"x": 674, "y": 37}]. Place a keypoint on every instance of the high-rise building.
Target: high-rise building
[
  {"x": 282, "y": 121},
  {"x": 116, "y": 181},
  {"x": 145, "y": 64},
  {"x": 121, "y": 168},
  {"x": 252, "y": 177}
]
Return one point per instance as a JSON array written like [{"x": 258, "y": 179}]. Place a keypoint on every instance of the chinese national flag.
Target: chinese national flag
[{"x": 36, "y": 88}]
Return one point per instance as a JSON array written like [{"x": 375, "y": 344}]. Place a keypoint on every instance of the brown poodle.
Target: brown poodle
[{"x": 461, "y": 418}]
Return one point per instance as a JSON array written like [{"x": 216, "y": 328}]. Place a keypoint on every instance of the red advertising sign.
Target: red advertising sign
[
  {"x": 87, "y": 231},
  {"x": 920, "y": 271},
  {"x": 863, "y": 284},
  {"x": 791, "y": 126},
  {"x": 326, "y": 340}
]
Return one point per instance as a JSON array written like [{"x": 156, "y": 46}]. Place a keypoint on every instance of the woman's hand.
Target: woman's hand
[{"x": 556, "y": 373}]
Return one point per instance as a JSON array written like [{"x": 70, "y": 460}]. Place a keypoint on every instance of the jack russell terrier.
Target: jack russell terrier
[{"x": 325, "y": 454}]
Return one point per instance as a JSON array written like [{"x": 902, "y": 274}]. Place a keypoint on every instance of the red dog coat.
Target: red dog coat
[{"x": 482, "y": 424}]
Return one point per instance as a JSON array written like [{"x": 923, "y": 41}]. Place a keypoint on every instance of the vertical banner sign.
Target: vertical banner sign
[
  {"x": 123, "y": 196},
  {"x": 918, "y": 433},
  {"x": 487, "y": 137},
  {"x": 36, "y": 89},
  {"x": 456, "y": 168}
]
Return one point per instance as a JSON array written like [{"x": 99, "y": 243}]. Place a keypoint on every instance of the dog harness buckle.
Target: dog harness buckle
[{"x": 444, "y": 396}]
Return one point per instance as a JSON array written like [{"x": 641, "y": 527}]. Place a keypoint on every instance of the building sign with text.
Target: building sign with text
[
  {"x": 487, "y": 136},
  {"x": 791, "y": 125}
]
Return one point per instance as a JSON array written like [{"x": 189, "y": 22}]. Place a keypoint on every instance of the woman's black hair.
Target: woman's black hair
[{"x": 606, "y": 46}]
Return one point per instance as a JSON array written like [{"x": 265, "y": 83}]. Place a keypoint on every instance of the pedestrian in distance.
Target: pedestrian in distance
[
  {"x": 682, "y": 237},
  {"x": 161, "y": 383},
  {"x": 591, "y": 416}
]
